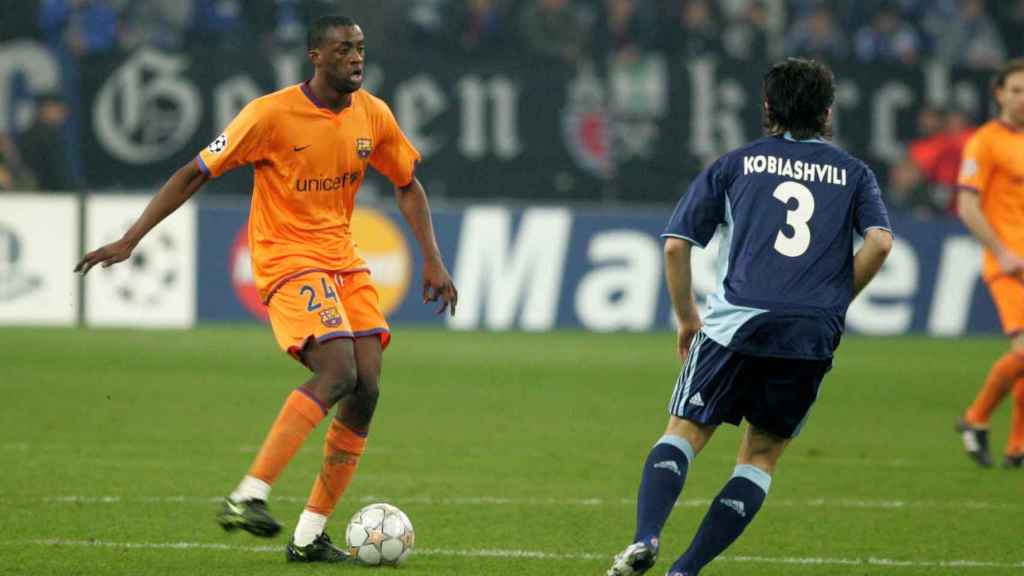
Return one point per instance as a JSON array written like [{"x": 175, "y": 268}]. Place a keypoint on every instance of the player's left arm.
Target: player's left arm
[
  {"x": 869, "y": 259},
  {"x": 437, "y": 283},
  {"x": 396, "y": 158}
]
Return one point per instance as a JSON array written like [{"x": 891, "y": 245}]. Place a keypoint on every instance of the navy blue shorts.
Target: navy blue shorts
[{"x": 721, "y": 385}]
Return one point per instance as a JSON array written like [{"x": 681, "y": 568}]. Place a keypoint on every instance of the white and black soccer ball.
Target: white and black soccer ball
[{"x": 380, "y": 534}]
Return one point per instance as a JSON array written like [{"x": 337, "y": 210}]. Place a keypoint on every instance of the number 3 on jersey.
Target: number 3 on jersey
[{"x": 797, "y": 219}]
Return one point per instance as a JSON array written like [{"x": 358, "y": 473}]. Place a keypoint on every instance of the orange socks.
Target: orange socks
[
  {"x": 299, "y": 415},
  {"x": 1015, "y": 445},
  {"x": 1000, "y": 379},
  {"x": 342, "y": 449}
]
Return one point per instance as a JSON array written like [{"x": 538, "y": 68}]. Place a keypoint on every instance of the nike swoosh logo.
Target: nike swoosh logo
[{"x": 300, "y": 148}]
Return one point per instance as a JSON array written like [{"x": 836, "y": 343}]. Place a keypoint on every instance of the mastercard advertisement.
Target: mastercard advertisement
[{"x": 380, "y": 242}]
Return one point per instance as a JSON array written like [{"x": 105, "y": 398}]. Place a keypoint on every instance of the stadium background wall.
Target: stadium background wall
[
  {"x": 533, "y": 269},
  {"x": 489, "y": 127}
]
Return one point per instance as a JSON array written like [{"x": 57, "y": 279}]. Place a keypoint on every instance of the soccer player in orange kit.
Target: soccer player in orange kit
[
  {"x": 991, "y": 202},
  {"x": 310, "y": 145}
]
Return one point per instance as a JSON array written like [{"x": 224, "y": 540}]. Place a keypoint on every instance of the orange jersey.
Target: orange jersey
[
  {"x": 993, "y": 166},
  {"x": 308, "y": 164}
]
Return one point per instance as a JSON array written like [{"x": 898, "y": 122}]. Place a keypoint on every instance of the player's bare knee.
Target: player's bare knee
[
  {"x": 337, "y": 382},
  {"x": 1017, "y": 343},
  {"x": 761, "y": 449},
  {"x": 696, "y": 434},
  {"x": 367, "y": 393}
]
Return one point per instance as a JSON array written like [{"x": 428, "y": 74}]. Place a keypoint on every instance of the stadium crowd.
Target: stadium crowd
[{"x": 966, "y": 33}]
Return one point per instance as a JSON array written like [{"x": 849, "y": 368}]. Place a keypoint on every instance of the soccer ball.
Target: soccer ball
[{"x": 380, "y": 534}]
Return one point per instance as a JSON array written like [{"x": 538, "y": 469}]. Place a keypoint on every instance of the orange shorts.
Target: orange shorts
[
  {"x": 325, "y": 306},
  {"x": 1008, "y": 294}
]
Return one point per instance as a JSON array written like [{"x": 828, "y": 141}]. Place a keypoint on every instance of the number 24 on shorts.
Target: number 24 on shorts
[{"x": 328, "y": 292}]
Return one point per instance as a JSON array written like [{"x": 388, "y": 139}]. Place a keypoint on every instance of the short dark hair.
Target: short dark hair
[
  {"x": 1004, "y": 71},
  {"x": 319, "y": 27},
  {"x": 798, "y": 94}
]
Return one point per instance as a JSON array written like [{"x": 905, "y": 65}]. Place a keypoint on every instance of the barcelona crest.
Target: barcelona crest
[
  {"x": 364, "y": 146},
  {"x": 330, "y": 317}
]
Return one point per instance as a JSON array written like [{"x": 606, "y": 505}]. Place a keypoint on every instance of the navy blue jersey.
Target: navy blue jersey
[{"x": 786, "y": 212}]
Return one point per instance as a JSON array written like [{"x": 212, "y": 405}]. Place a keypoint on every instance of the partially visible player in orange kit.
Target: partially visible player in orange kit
[
  {"x": 991, "y": 202},
  {"x": 310, "y": 145}
]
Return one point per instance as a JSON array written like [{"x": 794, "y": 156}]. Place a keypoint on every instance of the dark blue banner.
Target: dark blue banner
[{"x": 538, "y": 269}]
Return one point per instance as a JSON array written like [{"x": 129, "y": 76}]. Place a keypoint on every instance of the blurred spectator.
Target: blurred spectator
[
  {"x": 843, "y": 11},
  {"x": 482, "y": 25},
  {"x": 924, "y": 181},
  {"x": 14, "y": 175},
  {"x": 218, "y": 23},
  {"x": 426, "y": 20},
  {"x": 43, "y": 146},
  {"x": 79, "y": 26},
  {"x": 689, "y": 29},
  {"x": 887, "y": 39},
  {"x": 160, "y": 23},
  {"x": 624, "y": 29},
  {"x": 745, "y": 36},
  {"x": 907, "y": 190},
  {"x": 1009, "y": 15},
  {"x": 970, "y": 39},
  {"x": 817, "y": 36},
  {"x": 554, "y": 29}
]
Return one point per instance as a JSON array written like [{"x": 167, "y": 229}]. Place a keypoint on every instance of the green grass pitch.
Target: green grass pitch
[{"x": 512, "y": 454}]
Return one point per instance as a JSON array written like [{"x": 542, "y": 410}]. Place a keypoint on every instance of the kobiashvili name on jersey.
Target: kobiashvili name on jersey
[{"x": 796, "y": 169}]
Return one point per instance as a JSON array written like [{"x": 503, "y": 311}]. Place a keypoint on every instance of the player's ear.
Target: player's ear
[{"x": 314, "y": 56}]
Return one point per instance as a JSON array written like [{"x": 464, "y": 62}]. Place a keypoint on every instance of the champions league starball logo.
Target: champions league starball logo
[
  {"x": 15, "y": 281},
  {"x": 153, "y": 270},
  {"x": 219, "y": 144}
]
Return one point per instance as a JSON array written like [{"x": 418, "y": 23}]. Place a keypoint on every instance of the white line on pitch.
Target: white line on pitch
[
  {"x": 537, "y": 554},
  {"x": 372, "y": 449},
  {"x": 578, "y": 502}
]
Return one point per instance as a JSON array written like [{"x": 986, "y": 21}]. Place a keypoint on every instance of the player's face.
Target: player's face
[
  {"x": 1011, "y": 98},
  {"x": 340, "y": 58}
]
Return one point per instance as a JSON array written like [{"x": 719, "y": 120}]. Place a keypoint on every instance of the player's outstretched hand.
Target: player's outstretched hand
[
  {"x": 1011, "y": 264},
  {"x": 438, "y": 285},
  {"x": 686, "y": 330},
  {"x": 107, "y": 255}
]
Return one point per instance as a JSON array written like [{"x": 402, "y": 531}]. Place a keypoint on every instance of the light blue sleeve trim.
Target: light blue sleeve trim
[
  {"x": 755, "y": 475},
  {"x": 687, "y": 238},
  {"x": 887, "y": 229},
  {"x": 681, "y": 443},
  {"x": 865, "y": 233}
]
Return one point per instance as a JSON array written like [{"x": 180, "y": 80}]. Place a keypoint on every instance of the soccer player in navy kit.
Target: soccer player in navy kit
[{"x": 786, "y": 208}]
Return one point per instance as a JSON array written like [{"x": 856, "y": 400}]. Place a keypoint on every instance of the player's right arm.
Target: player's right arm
[
  {"x": 679, "y": 278},
  {"x": 185, "y": 182},
  {"x": 974, "y": 180},
  {"x": 969, "y": 207},
  {"x": 693, "y": 223},
  {"x": 243, "y": 142}
]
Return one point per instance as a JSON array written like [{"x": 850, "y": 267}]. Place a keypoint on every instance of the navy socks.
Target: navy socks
[
  {"x": 662, "y": 481},
  {"x": 730, "y": 513}
]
